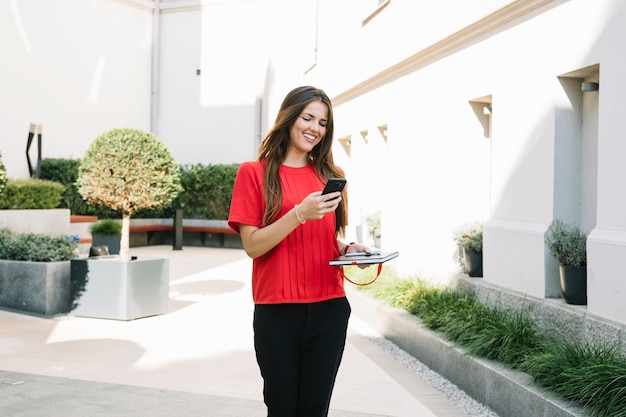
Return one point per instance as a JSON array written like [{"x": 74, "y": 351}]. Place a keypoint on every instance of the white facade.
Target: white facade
[
  {"x": 76, "y": 67},
  {"x": 453, "y": 110}
]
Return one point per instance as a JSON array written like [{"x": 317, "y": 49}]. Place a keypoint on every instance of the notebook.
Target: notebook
[{"x": 363, "y": 259}]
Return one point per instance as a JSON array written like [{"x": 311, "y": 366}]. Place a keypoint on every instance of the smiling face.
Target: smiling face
[{"x": 307, "y": 131}]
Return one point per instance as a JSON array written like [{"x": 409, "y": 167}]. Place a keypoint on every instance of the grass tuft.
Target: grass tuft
[{"x": 593, "y": 377}]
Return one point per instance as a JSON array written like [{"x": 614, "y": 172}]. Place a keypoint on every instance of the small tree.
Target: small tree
[{"x": 128, "y": 170}]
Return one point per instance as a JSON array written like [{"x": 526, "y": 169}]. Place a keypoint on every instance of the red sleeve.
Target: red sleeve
[{"x": 247, "y": 204}]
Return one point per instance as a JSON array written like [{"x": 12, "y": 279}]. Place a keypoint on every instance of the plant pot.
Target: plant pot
[
  {"x": 574, "y": 284},
  {"x": 473, "y": 261},
  {"x": 35, "y": 287},
  {"x": 109, "y": 288},
  {"x": 111, "y": 242}
]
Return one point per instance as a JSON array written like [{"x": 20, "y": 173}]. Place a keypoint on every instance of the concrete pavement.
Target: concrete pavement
[{"x": 197, "y": 360}]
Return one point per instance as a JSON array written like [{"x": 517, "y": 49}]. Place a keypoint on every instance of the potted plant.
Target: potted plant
[
  {"x": 126, "y": 170},
  {"x": 373, "y": 226},
  {"x": 568, "y": 245},
  {"x": 469, "y": 237},
  {"x": 107, "y": 232}
]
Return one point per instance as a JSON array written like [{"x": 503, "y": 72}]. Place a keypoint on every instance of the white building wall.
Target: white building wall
[
  {"x": 210, "y": 75},
  {"x": 76, "y": 67}
]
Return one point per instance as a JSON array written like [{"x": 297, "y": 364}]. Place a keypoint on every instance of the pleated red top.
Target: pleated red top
[{"x": 296, "y": 270}]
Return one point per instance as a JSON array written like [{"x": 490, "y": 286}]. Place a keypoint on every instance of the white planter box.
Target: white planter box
[{"x": 111, "y": 289}]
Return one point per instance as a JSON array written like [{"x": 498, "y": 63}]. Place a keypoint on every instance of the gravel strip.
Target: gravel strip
[{"x": 453, "y": 393}]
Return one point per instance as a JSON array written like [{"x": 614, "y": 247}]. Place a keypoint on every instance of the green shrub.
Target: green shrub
[
  {"x": 65, "y": 171},
  {"x": 566, "y": 243},
  {"x": 469, "y": 235},
  {"x": 106, "y": 227},
  {"x": 60, "y": 170},
  {"x": 3, "y": 176},
  {"x": 31, "y": 194},
  {"x": 36, "y": 247},
  {"x": 208, "y": 190}
]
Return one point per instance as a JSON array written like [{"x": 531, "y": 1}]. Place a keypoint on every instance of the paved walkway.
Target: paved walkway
[{"x": 197, "y": 360}]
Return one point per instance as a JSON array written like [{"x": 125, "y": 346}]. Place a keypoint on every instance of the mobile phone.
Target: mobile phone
[
  {"x": 334, "y": 184},
  {"x": 372, "y": 252}
]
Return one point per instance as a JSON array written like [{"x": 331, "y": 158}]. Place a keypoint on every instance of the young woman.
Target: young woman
[{"x": 291, "y": 232}]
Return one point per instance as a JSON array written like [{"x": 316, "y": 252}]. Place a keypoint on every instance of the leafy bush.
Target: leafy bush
[
  {"x": 31, "y": 194},
  {"x": 567, "y": 243},
  {"x": 208, "y": 190},
  {"x": 106, "y": 227},
  {"x": 60, "y": 170},
  {"x": 3, "y": 176},
  {"x": 35, "y": 247},
  {"x": 470, "y": 235},
  {"x": 65, "y": 171}
]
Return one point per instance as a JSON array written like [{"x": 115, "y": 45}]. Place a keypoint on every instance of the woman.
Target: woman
[{"x": 290, "y": 231}]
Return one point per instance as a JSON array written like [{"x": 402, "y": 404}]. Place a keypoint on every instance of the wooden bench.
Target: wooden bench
[
  {"x": 213, "y": 233},
  {"x": 170, "y": 228},
  {"x": 81, "y": 223}
]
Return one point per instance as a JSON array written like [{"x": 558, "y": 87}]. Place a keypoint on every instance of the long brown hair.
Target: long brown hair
[{"x": 273, "y": 151}]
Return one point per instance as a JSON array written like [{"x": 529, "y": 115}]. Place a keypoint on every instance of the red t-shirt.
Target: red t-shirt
[{"x": 296, "y": 270}]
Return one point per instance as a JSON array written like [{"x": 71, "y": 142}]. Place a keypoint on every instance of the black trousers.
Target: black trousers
[{"x": 299, "y": 348}]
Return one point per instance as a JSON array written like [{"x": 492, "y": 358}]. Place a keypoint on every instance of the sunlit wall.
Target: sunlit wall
[{"x": 76, "y": 67}]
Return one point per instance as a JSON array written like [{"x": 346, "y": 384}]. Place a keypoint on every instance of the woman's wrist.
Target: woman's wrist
[
  {"x": 345, "y": 248},
  {"x": 302, "y": 221}
]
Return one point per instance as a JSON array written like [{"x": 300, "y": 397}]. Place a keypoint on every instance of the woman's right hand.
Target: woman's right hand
[
  {"x": 258, "y": 241},
  {"x": 315, "y": 206}
]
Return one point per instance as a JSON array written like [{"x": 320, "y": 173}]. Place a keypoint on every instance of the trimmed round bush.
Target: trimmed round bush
[{"x": 128, "y": 170}]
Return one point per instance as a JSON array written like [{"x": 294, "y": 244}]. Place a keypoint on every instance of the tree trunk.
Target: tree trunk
[{"x": 125, "y": 239}]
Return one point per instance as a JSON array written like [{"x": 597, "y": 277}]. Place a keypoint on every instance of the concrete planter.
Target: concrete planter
[
  {"x": 35, "y": 287},
  {"x": 112, "y": 289}
]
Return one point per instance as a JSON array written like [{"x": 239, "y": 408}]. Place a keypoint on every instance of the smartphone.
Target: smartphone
[
  {"x": 334, "y": 184},
  {"x": 372, "y": 252}
]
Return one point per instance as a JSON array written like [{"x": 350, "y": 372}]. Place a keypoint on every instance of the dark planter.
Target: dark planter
[
  {"x": 574, "y": 284},
  {"x": 35, "y": 287},
  {"x": 111, "y": 242},
  {"x": 473, "y": 261}
]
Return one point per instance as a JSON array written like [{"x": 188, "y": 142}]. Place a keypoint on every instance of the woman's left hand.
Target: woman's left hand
[{"x": 358, "y": 247}]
